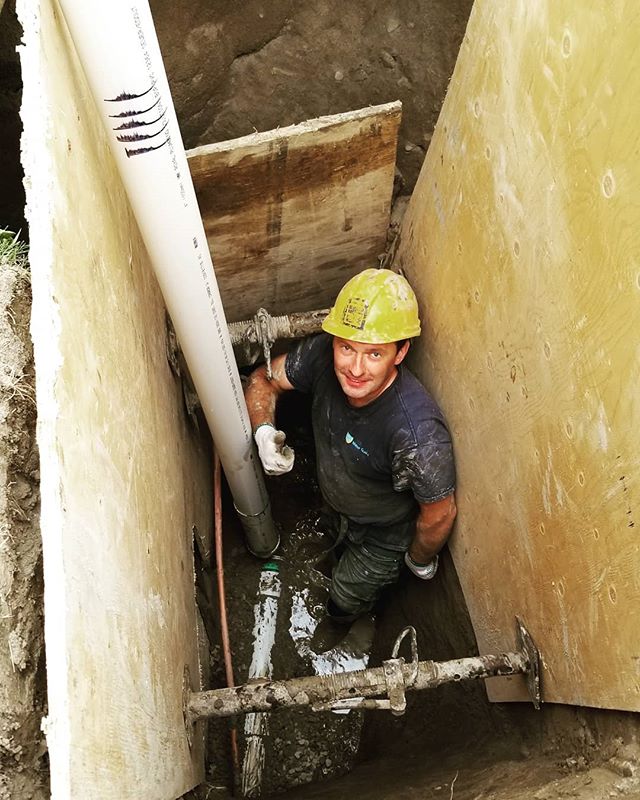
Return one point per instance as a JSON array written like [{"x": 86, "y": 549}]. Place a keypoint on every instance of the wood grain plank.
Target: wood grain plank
[
  {"x": 521, "y": 241},
  {"x": 290, "y": 214}
]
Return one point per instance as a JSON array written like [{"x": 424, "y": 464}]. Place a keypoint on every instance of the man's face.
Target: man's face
[{"x": 364, "y": 371}]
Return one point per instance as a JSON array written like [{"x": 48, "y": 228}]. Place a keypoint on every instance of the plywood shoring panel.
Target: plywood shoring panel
[
  {"x": 123, "y": 478},
  {"x": 291, "y": 213},
  {"x": 522, "y": 241}
]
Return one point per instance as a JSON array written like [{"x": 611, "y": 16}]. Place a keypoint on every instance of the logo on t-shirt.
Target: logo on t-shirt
[{"x": 350, "y": 440}]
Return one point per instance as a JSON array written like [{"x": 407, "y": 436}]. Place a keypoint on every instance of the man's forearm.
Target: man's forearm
[
  {"x": 428, "y": 541},
  {"x": 433, "y": 527},
  {"x": 261, "y": 395}
]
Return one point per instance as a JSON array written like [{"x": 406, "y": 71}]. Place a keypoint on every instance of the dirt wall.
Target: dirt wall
[
  {"x": 23, "y": 767},
  {"x": 234, "y": 69},
  {"x": 22, "y": 682}
]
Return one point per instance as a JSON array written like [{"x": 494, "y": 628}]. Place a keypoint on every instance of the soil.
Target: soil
[
  {"x": 259, "y": 66},
  {"x": 471, "y": 775},
  {"x": 23, "y": 771}
]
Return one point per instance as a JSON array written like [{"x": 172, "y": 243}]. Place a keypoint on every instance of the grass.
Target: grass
[
  {"x": 14, "y": 257},
  {"x": 14, "y": 253}
]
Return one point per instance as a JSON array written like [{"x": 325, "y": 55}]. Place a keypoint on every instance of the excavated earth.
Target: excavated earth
[
  {"x": 22, "y": 749},
  {"x": 23, "y": 757},
  {"x": 471, "y": 776},
  {"x": 262, "y": 65}
]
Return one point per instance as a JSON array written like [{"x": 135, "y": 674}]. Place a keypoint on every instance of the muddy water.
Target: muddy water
[{"x": 301, "y": 745}]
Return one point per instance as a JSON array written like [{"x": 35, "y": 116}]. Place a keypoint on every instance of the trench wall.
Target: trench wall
[
  {"x": 22, "y": 692},
  {"x": 237, "y": 68},
  {"x": 521, "y": 240},
  {"x": 124, "y": 477},
  {"x": 23, "y": 770}
]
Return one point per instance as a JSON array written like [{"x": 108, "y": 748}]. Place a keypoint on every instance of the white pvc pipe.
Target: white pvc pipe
[
  {"x": 118, "y": 47},
  {"x": 265, "y": 615}
]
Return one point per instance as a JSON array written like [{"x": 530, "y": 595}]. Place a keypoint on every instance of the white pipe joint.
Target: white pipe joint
[
  {"x": 265, "y": 615},
  {"x": 262, "y": 538},
  {"x": 119, "y": 50}
]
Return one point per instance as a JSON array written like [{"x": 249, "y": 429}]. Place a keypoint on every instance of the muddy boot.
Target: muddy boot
[
  {"x": 327, "y": 635},
  {"x": 359, "y": 638},
  {"x": 331, "y": 629},
  {"x": 351, "y": 634}
]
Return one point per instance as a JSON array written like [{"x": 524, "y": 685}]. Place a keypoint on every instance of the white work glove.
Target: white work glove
[
  {"x": 423, "y": 571},
  {"x": 277, "y": 458}
]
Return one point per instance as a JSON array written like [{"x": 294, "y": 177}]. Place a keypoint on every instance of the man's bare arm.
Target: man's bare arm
[
  {"x": 433, "y": 527},
  {"x": 261, "y": 393}
]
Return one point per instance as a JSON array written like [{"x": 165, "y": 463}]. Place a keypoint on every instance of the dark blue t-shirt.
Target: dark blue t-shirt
[{"x": 376, "y": 461}]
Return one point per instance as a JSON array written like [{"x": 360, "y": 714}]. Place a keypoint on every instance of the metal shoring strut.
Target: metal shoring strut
[
  {"x": 377, "y": 687},
  {"x": 264, "y": 330}
]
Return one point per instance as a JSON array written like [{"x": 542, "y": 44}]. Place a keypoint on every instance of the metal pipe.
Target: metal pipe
[
  {"x": 264, "y": 330},
  {"x": 319, "y": 690},
  {"x": 119, "y": 50},
  {"x": 288, "y": 326}
]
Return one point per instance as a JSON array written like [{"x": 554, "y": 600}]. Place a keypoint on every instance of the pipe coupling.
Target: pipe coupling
[{"x": 262, "y": 538}]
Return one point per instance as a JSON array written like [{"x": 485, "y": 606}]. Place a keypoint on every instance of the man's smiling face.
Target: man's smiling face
[{"x": 364, "y": 371}]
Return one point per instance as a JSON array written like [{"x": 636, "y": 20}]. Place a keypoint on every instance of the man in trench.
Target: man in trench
[{"x": 384, "y": 454}]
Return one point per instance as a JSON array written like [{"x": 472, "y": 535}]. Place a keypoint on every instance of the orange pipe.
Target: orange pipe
[{"x": 224, "y": 627}]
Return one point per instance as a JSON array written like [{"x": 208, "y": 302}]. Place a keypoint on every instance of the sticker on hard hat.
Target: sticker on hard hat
[{"x": 355, "y": 313}]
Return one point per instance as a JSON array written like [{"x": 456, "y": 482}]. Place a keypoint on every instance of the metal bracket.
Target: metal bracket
[
  {"x": 396, "y": 684},
  {"x": 266, "y": 338},
  {"x": 408, "y": 631},
  {"x": 186, "y": 697},
  {"x": 264, "y": 330},
  {"x": 525, "y": 643},
  {"x": 394, "y": 673}
]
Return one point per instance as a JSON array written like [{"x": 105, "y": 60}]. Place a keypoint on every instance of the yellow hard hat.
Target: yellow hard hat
[{"x": 374, "y": 307}]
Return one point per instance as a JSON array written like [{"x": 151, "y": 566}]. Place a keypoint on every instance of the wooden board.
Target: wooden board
[
  {"x": 290, "y": 214},
  {"x": 522, "y": 241},
  {"x": 123, "y": 477}
]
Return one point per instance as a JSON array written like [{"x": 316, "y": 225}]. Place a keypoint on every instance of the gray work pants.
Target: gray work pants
[{"x": 364, "y": 567}]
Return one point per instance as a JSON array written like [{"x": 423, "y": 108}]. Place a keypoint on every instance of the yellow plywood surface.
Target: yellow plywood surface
[
  {"x": 290, "y": 213},
  {"x": 522, "y": 241},
  {"x": 123, "y": 477}
]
